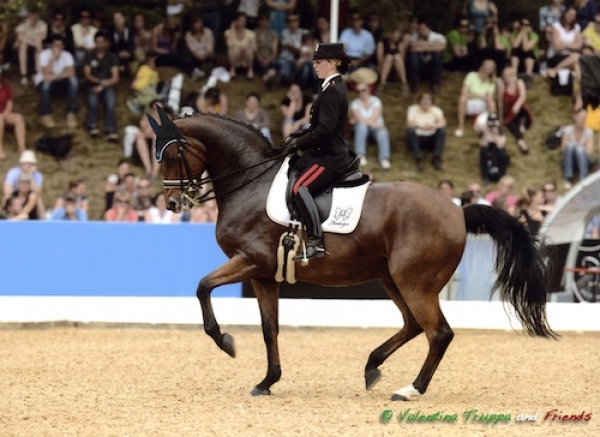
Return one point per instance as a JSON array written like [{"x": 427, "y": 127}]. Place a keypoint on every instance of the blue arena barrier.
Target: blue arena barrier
[{"x": 108, "y": 259}]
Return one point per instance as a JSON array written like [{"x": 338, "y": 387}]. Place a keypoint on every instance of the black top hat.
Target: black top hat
[{"x": 330, "y": 51}]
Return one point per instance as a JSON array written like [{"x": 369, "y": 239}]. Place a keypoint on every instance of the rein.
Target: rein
[{"x": 194, "y": 184}]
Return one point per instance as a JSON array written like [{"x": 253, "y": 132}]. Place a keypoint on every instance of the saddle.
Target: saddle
[{"x": 352, "y": 177}]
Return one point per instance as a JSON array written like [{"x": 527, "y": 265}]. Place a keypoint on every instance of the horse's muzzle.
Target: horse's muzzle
[{"x": 174, "y": 205}]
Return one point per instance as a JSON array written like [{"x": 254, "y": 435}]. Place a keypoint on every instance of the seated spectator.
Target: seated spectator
[
  {"x": 367, "y": 118},
  {"x": 9, "y": 118},
  {"x": 59, "y": 27},
  {"x": 145, "y": 143},
  {"x": 143, "y": 199},
  {"x": 114, "y": 182},
  {"x": 305, "y": 75},
  {"x": 586, "y": 11},
  {"x": 493, "y": 158},
  {"x": 198, "y": 214},
  {"x": 142, "y": 37},
  {"x": 145, "y": 85},
  {"x": 390, "y": 54},
  {"x": 426, "y": 129},
  {"x": 241, "y": 46},
  {"x": 504, "y": 189},
  {"x": 291, "y": 44},
  {"x": 295, "y": 108},
  {"x": 359, "y": 43},
  {"x": 70, "y": 211},
  {"x": 529, "y": 207},
  {"x": 121, "y": 40},
  {"x": 101, "y": 71},
  {"x": 167, "y": 44},
  {"x": 267, "y": 44},
  {"x": 57, "y": 76},
  {"x": 477, "y": 93},
  {"x": 491, "y": 44},
  {"x": 26, "y": 195},
  {"x": 446, "y": 187},
  {"x": 591, "y": 37},
  {"x": 549, "y": 15},
  {"x": 12, "y": 210},
  {"x": 525, "y": 49},
  {"x": 83, "y": 35},
  {"x": 30, "y": 36},
  {"x": 478, "y": 11},
  {"x": 459, "y": 54},
  {"x": 158, "y": 212},
  {"x": 212, "y": 210},
  {"x": 27, "y": 165},
  {"x": 551, "y": 197},
  {"x": 77, "y": 187},
  {"x": 565, "y": 45},
  {"x": 426, "y": 57},
  {"x": 121, "y": 210},
  {"x": 475, "y": 188},
  {"x": 323, "y": 29},
  {"x": 200, "y": 44},
  {"x": 577, "y": 147},
  {"x": 253, "y": 114},
  {"x": 468, "y": 198},
  {"x": 279, "y": 12},
  {"x": 516, "y": 115},
  {"x": 213, "y": 100}
]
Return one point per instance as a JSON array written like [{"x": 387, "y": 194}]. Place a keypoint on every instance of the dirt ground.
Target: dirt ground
[{"x": 137, "y": 381}]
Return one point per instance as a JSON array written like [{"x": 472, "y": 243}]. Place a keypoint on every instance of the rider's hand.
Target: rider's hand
[{"x": 289, "y": 145}]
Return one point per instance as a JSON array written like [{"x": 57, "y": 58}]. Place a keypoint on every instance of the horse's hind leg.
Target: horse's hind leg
[
  {"x": 237, "y": 269},
  {"x": 267, "y": 294},
  {"x": 409, "y": 331},
  {"x": 424, "y": 305}
]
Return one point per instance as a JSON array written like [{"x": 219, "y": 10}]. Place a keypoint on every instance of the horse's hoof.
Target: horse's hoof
[
  {"x": 397, "y": 397},
  {"x": 228, "y": 345},
  {"x": 372, "y": 377},
  {"x": 260, "y": 392}
]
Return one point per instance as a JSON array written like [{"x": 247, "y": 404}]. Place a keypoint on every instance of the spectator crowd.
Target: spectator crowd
[{"x": 271, "y": 43}]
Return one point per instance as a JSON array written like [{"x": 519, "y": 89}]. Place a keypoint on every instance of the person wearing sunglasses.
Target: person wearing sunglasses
[{"x": 525, "y": 48}]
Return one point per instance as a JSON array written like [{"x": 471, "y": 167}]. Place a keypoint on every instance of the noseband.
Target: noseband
[{"x": 187, "y": 187}]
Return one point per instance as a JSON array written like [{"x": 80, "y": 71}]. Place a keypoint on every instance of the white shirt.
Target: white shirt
[
  {"x": 418, "y": 117},
  {"x": 58, "y": 66},
  {"x": 367, "y": 112},
  {"x": 432, "y": 37},
  {"x": 328, "y": 79}
]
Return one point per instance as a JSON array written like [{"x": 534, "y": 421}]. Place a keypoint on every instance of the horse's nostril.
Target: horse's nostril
[{"x": 172, "y": 205}]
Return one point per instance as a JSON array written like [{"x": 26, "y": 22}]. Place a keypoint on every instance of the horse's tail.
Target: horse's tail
[{"x": 522, "y": 263}]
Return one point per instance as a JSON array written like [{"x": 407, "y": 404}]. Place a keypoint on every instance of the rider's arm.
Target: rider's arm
[{"x": 329, "y": 114}]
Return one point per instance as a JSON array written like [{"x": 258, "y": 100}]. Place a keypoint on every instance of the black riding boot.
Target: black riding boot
[{"x": 310, "y": 217}]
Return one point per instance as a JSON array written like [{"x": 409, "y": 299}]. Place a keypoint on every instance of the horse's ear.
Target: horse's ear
[
  {"x": 164, "y": 118},
  {"x": 153, "y": 124}
]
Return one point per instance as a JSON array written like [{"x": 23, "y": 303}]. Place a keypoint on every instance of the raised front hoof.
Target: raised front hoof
[
  {"x": 372, "y": 377},
  {"x": 397, "y": 397},
  {"x": 260, "y": 392},
  {"x": 228, "y": 345}
]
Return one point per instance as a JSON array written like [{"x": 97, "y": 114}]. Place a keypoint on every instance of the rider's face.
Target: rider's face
[{"x": 324, "y": 68}]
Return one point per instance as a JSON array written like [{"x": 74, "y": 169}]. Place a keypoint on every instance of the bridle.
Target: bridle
[{"x": 190, "y": 187}]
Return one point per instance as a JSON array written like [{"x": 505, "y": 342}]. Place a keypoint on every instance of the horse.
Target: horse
[{"x": 410, "y": 237}]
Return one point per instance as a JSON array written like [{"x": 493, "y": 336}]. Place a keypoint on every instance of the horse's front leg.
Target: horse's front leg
[
  {"x": 267, "y": 294},
  {"x": 238, "y": 269}
]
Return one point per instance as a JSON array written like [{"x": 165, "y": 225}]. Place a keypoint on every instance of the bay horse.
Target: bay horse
[{"x": 409, "y": 237}]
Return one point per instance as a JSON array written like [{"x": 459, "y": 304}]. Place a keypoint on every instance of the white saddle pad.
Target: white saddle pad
[{"x": 346, "y": 204}]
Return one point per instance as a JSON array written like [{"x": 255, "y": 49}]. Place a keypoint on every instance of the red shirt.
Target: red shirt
[{"x": 5, "y": 95}]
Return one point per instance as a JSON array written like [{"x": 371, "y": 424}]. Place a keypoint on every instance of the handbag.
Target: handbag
[{"x": 57, "y": 147}]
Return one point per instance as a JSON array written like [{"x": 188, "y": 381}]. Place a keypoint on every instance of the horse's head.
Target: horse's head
[{"x": 181, "y": 164}]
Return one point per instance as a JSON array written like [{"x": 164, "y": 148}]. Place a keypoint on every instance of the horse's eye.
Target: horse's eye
[{"x": 172, "y": 159}]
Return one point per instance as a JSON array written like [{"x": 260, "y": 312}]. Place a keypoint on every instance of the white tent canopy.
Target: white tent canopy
[
  {"x": 568, "y": 221},
  {"x": 567, "y": 224}
]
